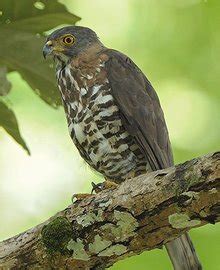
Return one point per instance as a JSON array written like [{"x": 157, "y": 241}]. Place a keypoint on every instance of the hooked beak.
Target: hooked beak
[{"x": 47, "y": 49}]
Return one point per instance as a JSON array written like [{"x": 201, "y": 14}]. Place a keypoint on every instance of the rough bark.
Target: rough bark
[{"x": 141, "y": 214}]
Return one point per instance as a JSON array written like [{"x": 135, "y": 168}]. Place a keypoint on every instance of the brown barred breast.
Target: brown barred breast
[{"x": 95, "y": 124}]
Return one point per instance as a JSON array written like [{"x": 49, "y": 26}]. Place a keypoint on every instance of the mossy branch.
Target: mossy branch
[{"x": 141, "y": 214}]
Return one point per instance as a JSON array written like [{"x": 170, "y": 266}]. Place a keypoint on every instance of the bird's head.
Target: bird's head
[{"x": 69, "y": 42}]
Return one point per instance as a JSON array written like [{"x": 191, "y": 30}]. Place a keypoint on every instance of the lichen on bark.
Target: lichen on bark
[
  {"x": 181, "y": 221},
  {"x": 78, "y": 249},
  {"x": 90, "y": 218},
  {"x": 113, "y": 250},
  {"x": 99, "y": 244},
  {"x": 141, "y": 214}
]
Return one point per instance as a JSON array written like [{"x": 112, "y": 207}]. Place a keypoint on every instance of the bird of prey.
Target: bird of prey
[{"x": 114, "y": 115}]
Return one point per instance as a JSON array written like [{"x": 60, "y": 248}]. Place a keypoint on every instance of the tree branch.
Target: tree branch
[{"x": 141, "y": 214}]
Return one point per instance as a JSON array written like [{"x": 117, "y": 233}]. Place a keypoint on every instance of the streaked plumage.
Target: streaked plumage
[
  {"x": 114, "y": 115},
  {"x": 95, "y": 122}
]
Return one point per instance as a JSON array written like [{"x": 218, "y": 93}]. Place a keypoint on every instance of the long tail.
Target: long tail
[{"x": 182, "y": 254}]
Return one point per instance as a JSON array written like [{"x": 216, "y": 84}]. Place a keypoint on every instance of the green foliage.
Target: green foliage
[
  {"x": 9, "y": 122},
  {"x": 5, "y": 85},
  {"x": 22, "y": 25}
]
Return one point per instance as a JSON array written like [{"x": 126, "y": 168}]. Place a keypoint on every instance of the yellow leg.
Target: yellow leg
[{"x": 81, "y": 196}]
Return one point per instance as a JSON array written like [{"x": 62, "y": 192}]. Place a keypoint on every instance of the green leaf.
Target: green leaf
[
  {"x": 24, "y": 54},
  {"x": 9, "y": 122},
  {"x": 23, "y": 23},
  {"x": 5, "y": 85},
  {"x": 35, "y": 16},
  {"x": 22, "y": 27}
]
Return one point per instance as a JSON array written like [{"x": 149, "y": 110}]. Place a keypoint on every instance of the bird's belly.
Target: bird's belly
[
  {"x": 98, "y": 133},
  {"x": 96, "y": 127}
]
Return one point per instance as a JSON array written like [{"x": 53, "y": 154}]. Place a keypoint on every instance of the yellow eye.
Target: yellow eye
[{"x": 68, "y": 40}]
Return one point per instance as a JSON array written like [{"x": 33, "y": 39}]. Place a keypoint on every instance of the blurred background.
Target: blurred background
[{"x": 177, "y": 45}]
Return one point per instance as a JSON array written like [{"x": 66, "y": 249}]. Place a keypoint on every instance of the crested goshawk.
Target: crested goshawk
[{"x": 114, "y": 115}]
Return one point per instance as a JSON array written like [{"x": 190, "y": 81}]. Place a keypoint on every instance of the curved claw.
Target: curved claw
[
  {"x": 97, "y": 187},
  {"x": 102, "y": 186}
]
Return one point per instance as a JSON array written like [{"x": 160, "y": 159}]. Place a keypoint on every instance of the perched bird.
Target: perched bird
[{"x": 114, "y": 115}]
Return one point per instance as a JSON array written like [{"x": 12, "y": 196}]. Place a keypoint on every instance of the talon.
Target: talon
[
  {"x": 102, "y": 186},
  {"x": 97, "y": 187}
]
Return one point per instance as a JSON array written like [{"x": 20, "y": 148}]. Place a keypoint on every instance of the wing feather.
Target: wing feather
[{"x": 140, "y": 109}]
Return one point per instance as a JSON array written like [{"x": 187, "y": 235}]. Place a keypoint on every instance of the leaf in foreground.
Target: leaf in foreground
[
  {"x": 9, "y": 122},
  {"x": 5, "y": 85},
  {"x": 22, "y": 27}
]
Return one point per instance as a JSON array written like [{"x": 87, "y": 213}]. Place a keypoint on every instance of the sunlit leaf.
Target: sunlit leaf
[
  {"x": 5, "y": 85},
  {"x": 22, "y": 24},
  {"x": 24, "y": 54},
  {"x": 22, "y": 27},
  {"x": 35, "y": 16},
  {"x": 9, "y": 122}
]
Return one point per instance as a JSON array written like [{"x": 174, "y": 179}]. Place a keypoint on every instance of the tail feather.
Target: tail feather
[{"x": 182, "y": 254}]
